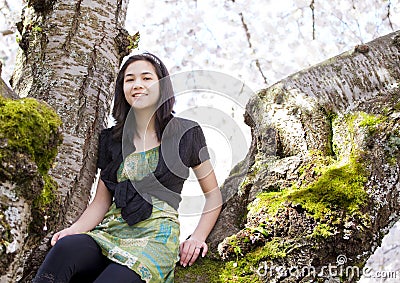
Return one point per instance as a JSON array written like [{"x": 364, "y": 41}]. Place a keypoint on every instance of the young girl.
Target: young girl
[{"x": 130, "y": 231}]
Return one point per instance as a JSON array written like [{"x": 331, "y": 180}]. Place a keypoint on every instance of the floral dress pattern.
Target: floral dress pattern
[{"x": 150, "y": 247}]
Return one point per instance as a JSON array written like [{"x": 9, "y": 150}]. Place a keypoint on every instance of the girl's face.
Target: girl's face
[{"x": 141, "y": 86}]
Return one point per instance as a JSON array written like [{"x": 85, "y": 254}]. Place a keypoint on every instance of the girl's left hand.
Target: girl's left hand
[{"x": 190, "y": 250}]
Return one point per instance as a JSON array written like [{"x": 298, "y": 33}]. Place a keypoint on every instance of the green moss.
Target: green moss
[
  {"x": 371, "y": 121},
  {"x": 259, "y": 229},
  {"x": 47, "y": 195},
  {"x": 30, "y": 127},
  {"x": 37, "y": 28},
  {"x": 339, "y": 186},
  {"x": 203, "y": 270},
  {"x": 269, "y": 202},
  {"x": 233, "y": 242},
  {"x": 271, "y": 250},
  {"x": 322, "y": 231},
  {"x": 244, "y": 269},
  {"x": 363, "y": 120},
  {"x": 316, "y": 166},
  {"x": 44, "y": 207},
  {"x": 240, "y": 271}
]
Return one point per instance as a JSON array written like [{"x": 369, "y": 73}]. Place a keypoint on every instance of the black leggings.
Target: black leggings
[{"x": 78, "y": 259}]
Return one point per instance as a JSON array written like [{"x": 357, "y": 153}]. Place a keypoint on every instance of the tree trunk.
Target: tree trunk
[
  {"x": 69, "y": 57},
  {"x": 5, "y": 91},
  {"x": 324, "y": 182}
]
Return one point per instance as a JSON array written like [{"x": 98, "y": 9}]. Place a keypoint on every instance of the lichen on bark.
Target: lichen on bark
[{"x": 29, "y": 137}]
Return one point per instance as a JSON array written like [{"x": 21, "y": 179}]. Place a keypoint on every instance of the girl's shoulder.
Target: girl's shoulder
[
  {"x": 188, "y": 131},
  {"x": 182, "y": 125},
  {"x": 184, "y": 130}
]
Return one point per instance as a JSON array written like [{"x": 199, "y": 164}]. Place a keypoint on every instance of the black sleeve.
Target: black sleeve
[
  {"x": 104, "y": 156},
  {"x": 199, "y": 147}
]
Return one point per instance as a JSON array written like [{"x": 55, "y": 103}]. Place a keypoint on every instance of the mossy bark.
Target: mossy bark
[
  {"x": 29, "y": 137},
  {"x": 69, "y": 56},
  {"x": 322, "y": 186}
]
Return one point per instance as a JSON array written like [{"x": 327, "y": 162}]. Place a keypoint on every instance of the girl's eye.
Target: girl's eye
[{"x": 147, "y": 78}]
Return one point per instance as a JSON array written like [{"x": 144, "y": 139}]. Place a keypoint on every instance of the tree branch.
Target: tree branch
[
  {"x": 312, "y": 7},
  {"x": 388, "y": 16},
  {"x": 248, "y": 36}
]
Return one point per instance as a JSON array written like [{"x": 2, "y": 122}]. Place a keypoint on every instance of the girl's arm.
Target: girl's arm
[
  {"x": 190, "y": 249},
  {"x": 92, "y": 215}
]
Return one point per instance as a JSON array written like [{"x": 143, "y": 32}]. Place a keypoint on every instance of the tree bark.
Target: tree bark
[
  {"x": 345, "y": 110},
  {"x": 5, "y": 91},
  {"x": 69, "y": 57}
]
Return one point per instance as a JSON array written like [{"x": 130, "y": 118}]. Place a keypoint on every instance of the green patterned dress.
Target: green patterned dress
[{"x": 150, "y": 247}]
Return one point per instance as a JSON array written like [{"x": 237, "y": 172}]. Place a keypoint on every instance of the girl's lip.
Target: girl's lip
[{"x": 139, "y": 94}]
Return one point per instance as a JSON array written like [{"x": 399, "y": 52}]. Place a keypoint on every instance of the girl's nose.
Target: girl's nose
[{"x": 138, "y": 84}]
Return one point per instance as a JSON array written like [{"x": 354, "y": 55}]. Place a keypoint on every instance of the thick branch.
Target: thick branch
[{"x": 327, "y": 109}]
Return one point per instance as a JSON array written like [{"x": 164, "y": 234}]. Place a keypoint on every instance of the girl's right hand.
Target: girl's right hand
[{"x": 60, "y": 234}]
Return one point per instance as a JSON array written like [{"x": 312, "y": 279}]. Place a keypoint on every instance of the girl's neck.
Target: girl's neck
[
  {"x": 145, "y": 123},
  {"x": 145, "y": 137}
]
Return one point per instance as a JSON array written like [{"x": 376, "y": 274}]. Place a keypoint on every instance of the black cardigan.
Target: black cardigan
[{"x": 183, "y": 147}]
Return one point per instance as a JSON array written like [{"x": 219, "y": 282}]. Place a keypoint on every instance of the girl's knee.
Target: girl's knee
[
  {"x": 71, "y": 255},
  {"x": 73, "y": 244}
]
